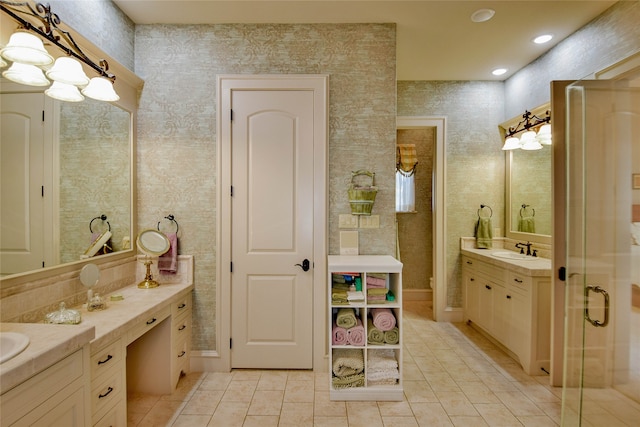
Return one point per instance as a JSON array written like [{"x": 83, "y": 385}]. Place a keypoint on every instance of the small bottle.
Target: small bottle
[{"x": 96, "y": 303}]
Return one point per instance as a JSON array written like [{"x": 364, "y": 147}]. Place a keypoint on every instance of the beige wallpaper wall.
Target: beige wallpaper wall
[
  {"x": 415, "y": 229},
  {"x": 474, "y": 159},
  {"x": 177, "y": 128}
]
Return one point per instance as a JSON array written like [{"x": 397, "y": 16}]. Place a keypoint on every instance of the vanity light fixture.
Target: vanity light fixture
[
  {"x": 536, "y": 131},
  {"x": 482, "y": 15},
  {"x": 25, "y": 48}
]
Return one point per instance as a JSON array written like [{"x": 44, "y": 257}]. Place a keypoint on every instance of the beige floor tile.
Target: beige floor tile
[
  {"x": 430, "y": 414},
  {"x": 395, "y": 409},
  {"x": 261, "y": 421},
  {"x": 537, "y": 421},
  {"x": 203, "y": 402},
  {"x": 266, "y": 402},
  {"x": 323, "y": 407},
  {"x": 163, "y": 413},
  {"x": 239, "y": 391},
  {"x": 191, "y": 421},
  {"x": 229, "y": 414},
  {"x": 399, "y": 422},
  {"x": 272, "y": 380},
  {"x": 466, "y": 421},
  {"x": 518, "y": 403},
  {"x": 299, "y": 391},
  {"x": 363, "y": 414},
  {"x": 296, "y": 414},
  {"x": 418, "y": 391},
  {"x": 321, "y": 421},
  {"x": 496, "y": 414},
  {"x": 216, "y": 381},
  {"x": 456, "y": 403}
]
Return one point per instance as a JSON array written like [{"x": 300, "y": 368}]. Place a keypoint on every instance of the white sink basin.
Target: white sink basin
[
  {"x": 512, "y": 255},
  {"x": 12, "y": 344}
]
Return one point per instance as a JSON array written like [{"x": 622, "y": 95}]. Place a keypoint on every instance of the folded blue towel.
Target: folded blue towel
[{"x": 484, "y": 233}]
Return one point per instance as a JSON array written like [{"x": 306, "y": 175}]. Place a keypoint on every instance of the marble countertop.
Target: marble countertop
[
  {"x": 531, "y": 267},
  {"x": 47, "y": 345},
  {"x": 51, "y": 343}
]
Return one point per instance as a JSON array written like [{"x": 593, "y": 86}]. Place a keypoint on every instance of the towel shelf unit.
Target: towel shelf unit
[{"x": 378, "y": 379}]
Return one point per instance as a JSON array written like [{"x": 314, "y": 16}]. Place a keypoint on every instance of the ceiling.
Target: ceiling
[{"x": 436, "y": 40}]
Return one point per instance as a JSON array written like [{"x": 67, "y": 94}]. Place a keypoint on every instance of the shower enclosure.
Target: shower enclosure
[{"x": 601, "y": 349}]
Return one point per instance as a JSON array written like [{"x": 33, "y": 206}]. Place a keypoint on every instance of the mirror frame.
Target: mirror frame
[
  {"x": 518, "y": 235},
  {"x": 127, "y": 85}
]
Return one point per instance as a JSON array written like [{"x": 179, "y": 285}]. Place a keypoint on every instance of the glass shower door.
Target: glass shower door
[{"x": 601, "y": 353}]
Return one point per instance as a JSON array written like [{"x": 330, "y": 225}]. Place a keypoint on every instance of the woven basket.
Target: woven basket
[{"x": 361, "y": 197}]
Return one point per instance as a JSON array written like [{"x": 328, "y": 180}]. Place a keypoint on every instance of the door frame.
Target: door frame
[
  {"x": 319, "y": 84},
  {"x": 441, "y": 312}
]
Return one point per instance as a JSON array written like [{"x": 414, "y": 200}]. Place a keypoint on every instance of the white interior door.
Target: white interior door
[
  {"x": 272, "y": 170},
  {"x": 22, "y": 180}
]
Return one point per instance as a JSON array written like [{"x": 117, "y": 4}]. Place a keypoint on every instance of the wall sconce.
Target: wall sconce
[
  {"x": 536, "y": 133},
  {"x": 29, "y": 57}
]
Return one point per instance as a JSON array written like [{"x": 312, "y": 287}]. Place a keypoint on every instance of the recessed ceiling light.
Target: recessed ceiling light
[
  {"x": 482, "y": 15},
  {"x": 499, "y": 71},
  {"x": 542, "y": 39}
]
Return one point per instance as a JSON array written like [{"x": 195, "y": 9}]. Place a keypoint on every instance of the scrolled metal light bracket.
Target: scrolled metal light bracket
[{"x": 50, "y": 31}]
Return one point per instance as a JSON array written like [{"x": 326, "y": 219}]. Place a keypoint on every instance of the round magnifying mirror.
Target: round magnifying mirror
[
  {"x": 89, "y": 275},
  {"x": 153, "y": 242}
]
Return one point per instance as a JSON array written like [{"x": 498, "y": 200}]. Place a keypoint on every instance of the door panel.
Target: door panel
[
  {"x": 22, "y": 177},
  {"x": 272, "y": 228}
]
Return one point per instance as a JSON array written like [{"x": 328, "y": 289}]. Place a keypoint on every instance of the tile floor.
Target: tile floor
[{"x": 452, "y": 377}]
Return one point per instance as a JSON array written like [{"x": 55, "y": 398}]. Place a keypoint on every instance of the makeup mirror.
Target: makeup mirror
[{"x": 152, "y": 243}]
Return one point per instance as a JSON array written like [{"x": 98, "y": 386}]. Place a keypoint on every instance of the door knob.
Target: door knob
[{"x": 304, "y": 265}]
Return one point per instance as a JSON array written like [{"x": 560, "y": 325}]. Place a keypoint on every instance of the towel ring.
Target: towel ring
[
  {"x": 524, "y": 209},
  {"x": 172, "y": 219},
  {"x": 485, "y": 206},
  {"x": 102, "y": 217}
]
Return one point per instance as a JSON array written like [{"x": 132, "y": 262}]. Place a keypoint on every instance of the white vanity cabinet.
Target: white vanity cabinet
[
  {"x": 56, "y": 396},
  {"x": 512, "y": 305},
  {"x": 108, "y": 384},
  {"x": 180, "y": 337},
  {"x": 380, "y": 266}
]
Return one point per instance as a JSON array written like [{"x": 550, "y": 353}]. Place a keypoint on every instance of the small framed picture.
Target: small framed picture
[{"x": 635, "y": 182}]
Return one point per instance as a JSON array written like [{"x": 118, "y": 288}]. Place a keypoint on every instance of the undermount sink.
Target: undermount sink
[
  {"x": 513, "y": 255},
  {"x": 12, "y": 344}
]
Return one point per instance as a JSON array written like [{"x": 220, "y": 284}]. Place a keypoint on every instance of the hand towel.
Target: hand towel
[
  {"x": 356, "y": 380},
  {"x": 484, "y": 233},
  {"x": 527, "y": 224},
  {"x": 355, "y": 335},
  {"x": 374, "y": 335},
  {"x": 338, "y": 296},
  {"x": 338, "y": 335},
  {"x": 383, "y": 319},
  {"x": 347, "y": 361},
  {"x": 346, "y": 318},
  {"x": 375, "y": 282},
  {"x": 382, "y": 359},
  {"x": 168, "y": 263},
  {"x": 392, "y": 337}
]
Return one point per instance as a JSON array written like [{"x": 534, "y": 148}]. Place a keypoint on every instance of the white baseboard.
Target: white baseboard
[
  {"x": 417, "y": 295},
  {"x": 206, "y": 361}
]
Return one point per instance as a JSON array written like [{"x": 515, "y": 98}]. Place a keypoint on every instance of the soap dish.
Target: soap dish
[{"x": 64, "y": 316}]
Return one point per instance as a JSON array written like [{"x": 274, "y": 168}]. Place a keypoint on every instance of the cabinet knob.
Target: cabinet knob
[
  {"x": 487, "y": 286},
  {"x": 508, "y": 296}
]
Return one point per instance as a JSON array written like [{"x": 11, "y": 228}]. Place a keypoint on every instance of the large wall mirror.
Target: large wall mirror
[
  {"x": 528, "y": 186},
  {"x": 64, "y": 183}
]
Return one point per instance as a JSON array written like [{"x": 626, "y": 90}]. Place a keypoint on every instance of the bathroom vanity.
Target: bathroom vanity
[
  {"x": 509, "y": 300},
  {"x": 80, "y": 374}
]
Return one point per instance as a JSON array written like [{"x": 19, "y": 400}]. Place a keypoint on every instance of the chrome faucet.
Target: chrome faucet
[{"x": 521, "y": 246}]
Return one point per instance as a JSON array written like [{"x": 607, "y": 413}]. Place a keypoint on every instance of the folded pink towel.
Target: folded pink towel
[
  {"x": 338, "y": 335},
  {"x": 355, "y": 334},
  {"x": 168, "y": 263},
  {"x": 374, "y": 282},
  {"x": 383, "y": 319}
]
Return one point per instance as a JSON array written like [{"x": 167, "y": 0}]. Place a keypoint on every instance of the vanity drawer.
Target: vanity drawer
[
  {"x": 148, "y": 323},
  {"x": 181, "y": 305},
  {"x": 105, "y": 358},
  {"x": 107, "y": 393},
  {"x": 180, "y": 362},
  {"x": 482, "y": 268},
  {"x": 115, "y": 417},
  {"x": 520, "y": 282}
]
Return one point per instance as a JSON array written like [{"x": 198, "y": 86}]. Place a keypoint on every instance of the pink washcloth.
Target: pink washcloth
[
  {"x": 355, "y": 334},
  {"x": 339, "y": 335},
  {"x": 375, "y": 282},
  {"x": 168, "y": 263},
  {"x": 383, "y": 319}
]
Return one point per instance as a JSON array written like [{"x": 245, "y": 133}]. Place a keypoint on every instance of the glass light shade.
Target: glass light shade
[
  {"x": 545, "y": 130},
  {"x": 68, "y": 70},
  {"x": 527, "y": 136},
  {"x": 531, "y": 144},
  {"x": 26, "y": 74},
  {"x": 511, "y": 143},
  {"x": 64, "y": 92},
  {"x": 26, "y": 48},
  {"x": 101, "y": 89}
]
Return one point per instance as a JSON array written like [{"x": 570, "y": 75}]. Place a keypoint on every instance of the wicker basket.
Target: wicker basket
[{"x": 361, "y": 197}]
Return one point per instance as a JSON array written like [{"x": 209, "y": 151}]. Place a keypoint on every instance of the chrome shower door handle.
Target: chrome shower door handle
[{"x": 599, "y": 290}]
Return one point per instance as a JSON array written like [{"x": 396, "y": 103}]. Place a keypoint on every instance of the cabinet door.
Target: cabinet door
[
  {"x": 501, "y": 314},
  {"x": 471, "y": 296},
  {"x": 519, "y": 337},
  {"x": 60, "y": 410},
  {"x": 485, "y": 303}
]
